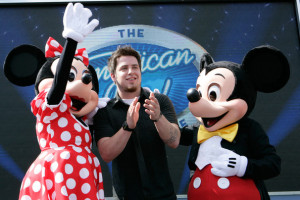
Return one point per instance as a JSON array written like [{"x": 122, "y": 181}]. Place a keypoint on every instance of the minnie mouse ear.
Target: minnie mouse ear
[
  {"x": 94, "y": 79},
  {"x": 22, "y": 65},
  {"x": 267, "y": 67}
]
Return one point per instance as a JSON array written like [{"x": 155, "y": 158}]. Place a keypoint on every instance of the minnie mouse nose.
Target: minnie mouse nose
[
  {"x": 193, "y": 95},
  {"x": 86, "y": 78}
]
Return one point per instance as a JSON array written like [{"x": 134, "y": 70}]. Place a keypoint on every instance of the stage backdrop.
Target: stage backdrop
[{"x": 171, "y": 37}]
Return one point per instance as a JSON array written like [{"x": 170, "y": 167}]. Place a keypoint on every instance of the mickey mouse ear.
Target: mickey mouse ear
[
  {"x": 206, "y": 59},
  {"x": 267, "y": 67},
  {"x": 22, "y": 65}
]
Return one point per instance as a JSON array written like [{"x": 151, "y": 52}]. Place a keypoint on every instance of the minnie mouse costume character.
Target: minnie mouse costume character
[
  {"x": 231, "y": 154},
  {"x": 66, "y": 88}
]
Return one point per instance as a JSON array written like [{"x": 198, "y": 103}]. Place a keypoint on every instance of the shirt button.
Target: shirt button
[
  {"x": 223, "y": 183},
  {"x": 197, "y": 182}
]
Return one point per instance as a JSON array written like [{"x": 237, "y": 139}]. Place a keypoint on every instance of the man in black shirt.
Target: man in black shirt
[{"x": 132, "y": 130}]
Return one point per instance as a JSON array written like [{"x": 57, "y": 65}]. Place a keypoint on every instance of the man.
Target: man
[{"x": 132, "y": 130}]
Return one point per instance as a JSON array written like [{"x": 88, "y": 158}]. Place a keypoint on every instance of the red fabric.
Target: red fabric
[
  {"x": 53, "y": 49},
  {"x": 66, "y": 168},
  {"x": 239, "y": 189}
]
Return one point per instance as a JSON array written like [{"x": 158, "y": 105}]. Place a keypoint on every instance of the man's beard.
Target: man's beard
[
  {"x": 128, "y": 89},
  {"x": 132, "y": 89}
]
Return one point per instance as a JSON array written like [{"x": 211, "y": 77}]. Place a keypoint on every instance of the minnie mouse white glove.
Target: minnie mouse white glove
[
  {"x": 102, "y": 102},
  {"x": 229, "y": 164},
  {"x": 76, "y": 24}
]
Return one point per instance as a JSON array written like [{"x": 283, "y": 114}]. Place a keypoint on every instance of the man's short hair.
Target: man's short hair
[{"x": 125, "y": 50}]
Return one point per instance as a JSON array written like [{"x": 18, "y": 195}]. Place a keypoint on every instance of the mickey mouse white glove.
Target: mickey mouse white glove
[
  {"x": 102, "y": 102},
  {"x": 149, "y": 90},
  {"x": 229, "y": 164},
  {"x": 76, "y": 24}
]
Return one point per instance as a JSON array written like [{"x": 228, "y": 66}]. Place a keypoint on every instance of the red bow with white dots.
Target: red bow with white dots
[{"x": 53, "y": 49}]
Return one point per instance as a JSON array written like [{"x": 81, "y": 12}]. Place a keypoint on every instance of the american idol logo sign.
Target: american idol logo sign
[{"x": 170, "y": 61}]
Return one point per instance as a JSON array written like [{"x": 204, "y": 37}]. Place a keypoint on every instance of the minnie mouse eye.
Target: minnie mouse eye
[
  {"x": 214, "y": 92},
  {"x": 86, "y": 78},
  {"x": 72, "y": 75}
]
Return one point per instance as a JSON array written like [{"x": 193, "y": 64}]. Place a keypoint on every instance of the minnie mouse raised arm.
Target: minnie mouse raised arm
[{"x": 66, "y": 87}]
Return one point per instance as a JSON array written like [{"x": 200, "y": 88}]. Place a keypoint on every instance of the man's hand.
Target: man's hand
[
  {"x": 133, "y": 113},
  {"x": 152, "y": 107}
]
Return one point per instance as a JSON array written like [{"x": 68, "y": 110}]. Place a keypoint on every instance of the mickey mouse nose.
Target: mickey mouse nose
[
  {"x": 86, "y": 78},
  {"x": 193, "y": 95}
]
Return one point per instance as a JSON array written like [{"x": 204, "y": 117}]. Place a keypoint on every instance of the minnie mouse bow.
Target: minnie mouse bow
[{"x": 53, "y": 49}]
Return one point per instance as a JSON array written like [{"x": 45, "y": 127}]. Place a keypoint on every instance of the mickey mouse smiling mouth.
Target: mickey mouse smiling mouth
[{"x": 209, "y": 122}]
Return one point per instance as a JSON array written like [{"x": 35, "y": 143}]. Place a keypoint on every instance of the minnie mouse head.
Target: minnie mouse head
[
  {"x": 27, "y": 65},
  {"x": 226, "y": 91}
]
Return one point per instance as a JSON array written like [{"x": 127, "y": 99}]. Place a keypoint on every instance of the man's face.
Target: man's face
[{"x": 127, "y": 75}]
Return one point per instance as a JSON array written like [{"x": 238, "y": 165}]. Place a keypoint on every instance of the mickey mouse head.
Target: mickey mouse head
[{"x": 226, "y": 91}]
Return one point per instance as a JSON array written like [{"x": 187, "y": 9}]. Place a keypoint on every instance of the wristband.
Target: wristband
[
  {"x": 125, "y": 127},
  {"x": 156, "y": 120}
]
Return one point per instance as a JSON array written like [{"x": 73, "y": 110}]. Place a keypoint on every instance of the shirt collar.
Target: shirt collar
[{"x": 143, "y": 95}]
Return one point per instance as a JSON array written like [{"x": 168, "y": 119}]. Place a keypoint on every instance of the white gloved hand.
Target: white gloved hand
[
  {"x": 229, "y": 164},
  {"x": 76, "y": 24},
  {"x": 102, "y": 102},
  {"x": 149, "y": 90}
]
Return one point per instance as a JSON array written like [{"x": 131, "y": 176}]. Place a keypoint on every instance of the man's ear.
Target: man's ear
[{"x": 113, "y": 77}]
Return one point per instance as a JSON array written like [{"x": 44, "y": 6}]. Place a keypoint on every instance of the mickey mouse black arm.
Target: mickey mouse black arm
[
  {"x": 58, "y": 87},
  {"x": 263, "y": 161}
]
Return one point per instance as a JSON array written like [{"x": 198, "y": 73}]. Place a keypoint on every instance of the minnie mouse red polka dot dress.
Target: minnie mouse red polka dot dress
[{"x": 66, "y": 167}]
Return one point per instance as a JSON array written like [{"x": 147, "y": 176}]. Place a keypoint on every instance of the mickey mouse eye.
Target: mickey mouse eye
[
  {"x": 200, "y": 94},
  {"x": 72, "y": 75},
  {"x": 214, "y": 92}
]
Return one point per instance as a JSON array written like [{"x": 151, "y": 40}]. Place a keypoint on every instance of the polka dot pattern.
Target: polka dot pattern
[
  {"x": 26, "y": 183},
  {"x": 37, "y": 169},
  {"x": 36, "y": 186},
  {"x": 59, "y": 177},
  {"x": 85, "y": 188},
  {"x": 63, "y": 107},
  {"x": 53, "y": 166},
  {"x": 78, "y": 140},
  {"x": 65, "y": 136},
  {"x": 71, "y": 183},
  {"x": 49, "y": 184},
  {"x": 66, "y": 167},
  {"x": 77, "y": 127},
  {"x": 84, "y": 173},
  {"x": 65, "y": 155},
  {"x": 62, "y": 122},
  {"x": 40, "y": 127}
]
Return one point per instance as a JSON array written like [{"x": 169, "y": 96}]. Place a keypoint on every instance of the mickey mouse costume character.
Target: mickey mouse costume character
[
  {"x": 66, "y": 87},
  {"x": 231, "y": 153}
]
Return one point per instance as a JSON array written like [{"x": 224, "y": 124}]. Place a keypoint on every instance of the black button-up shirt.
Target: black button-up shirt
[{"x": 141, "y": 170}]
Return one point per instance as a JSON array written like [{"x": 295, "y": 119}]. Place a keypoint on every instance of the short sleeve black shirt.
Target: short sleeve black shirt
[{"x": 141, "y": 170}]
